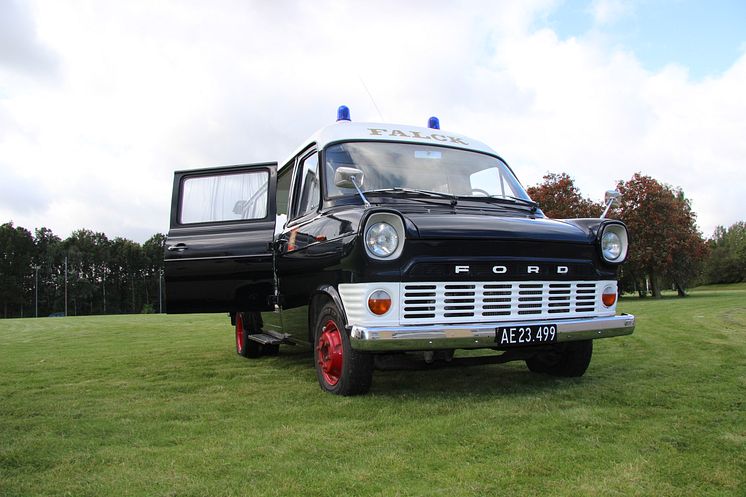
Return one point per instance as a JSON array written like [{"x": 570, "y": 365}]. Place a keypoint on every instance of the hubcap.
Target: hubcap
[
  {"x": 239, "y": 333},
  {"x": 329, "y": 353}
]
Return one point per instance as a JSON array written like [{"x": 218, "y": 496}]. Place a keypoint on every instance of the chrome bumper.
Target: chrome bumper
[{"x": 482, "y": 335}]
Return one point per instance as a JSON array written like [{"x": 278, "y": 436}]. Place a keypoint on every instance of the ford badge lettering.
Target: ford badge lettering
[{"x": 504, "y": 269}]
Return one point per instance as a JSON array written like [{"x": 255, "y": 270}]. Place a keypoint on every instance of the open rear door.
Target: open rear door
[{"x": 218, "y": 255}]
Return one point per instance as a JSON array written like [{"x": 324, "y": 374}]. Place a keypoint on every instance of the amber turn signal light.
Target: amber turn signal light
[
  {"x": 379, "y": 302},
  {"x": 609, "y": 296}
]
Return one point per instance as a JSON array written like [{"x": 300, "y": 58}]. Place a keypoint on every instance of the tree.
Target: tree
[
  {"x": 727, "y": 261},
  {"x": 50, "y": 259},
  {"x": 88, "y": 255},
  {"x": 153, "y": 250},
  {"x": 126, "y": 266},
  {"x": 16, "y": 257},
  {"x": 559, "y": 198},
  {"x": 665, "y": 245}
]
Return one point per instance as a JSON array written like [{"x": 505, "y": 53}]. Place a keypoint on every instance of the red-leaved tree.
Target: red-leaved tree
[
  {"x": 665, "y": 245},
  {"x": 559, "y": 198}
]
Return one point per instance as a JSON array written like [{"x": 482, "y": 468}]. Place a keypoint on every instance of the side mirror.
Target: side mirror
[
  {"x": 613, "y": 197},
  {"x": 610, "y": 198},
  {"x": 348, "y": 177}
]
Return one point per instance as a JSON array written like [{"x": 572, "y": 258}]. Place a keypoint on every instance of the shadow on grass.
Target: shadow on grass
[
  {"x": 489, "y": 381},
  {"x": 418, "y": 379}
]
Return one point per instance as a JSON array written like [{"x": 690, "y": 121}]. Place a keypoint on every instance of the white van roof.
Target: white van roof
[{"x": 342, "y": 131}]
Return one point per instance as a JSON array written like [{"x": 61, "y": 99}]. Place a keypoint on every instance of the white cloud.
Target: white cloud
[
  {"x": 20, "y": 50},
  {"x": 599, "y": 116},
  {"x": 609, "y": 11},
  {"x": 142, "y": 89}
]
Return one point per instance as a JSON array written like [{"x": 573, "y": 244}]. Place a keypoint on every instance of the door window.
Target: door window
[
  {"x": 226, "y": 197},
  {"x": 310, "y": 190}
]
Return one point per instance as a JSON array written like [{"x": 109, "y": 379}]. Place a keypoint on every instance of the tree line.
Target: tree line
[{"x": 87, "y": 273}]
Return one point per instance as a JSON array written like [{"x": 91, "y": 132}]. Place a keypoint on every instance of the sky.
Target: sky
[{"x": 100, "y": 101}]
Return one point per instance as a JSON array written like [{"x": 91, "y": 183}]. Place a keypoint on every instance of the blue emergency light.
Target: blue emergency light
[
  {"x": 433, "y": 123},
  {"x": 343, "y": 113}
]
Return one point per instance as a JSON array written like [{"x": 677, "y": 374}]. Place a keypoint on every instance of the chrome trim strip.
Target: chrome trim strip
[
  {"x": 217, "y": 257},
  {"x": 482, "y": 335}
]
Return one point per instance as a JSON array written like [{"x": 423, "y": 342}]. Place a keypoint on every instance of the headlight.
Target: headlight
[
  {"x": 614, "y": 243},
  {"x": 381, "y": 239},
  {"x": 384, "y": 236},
  {"x": 611, "y": 246}
]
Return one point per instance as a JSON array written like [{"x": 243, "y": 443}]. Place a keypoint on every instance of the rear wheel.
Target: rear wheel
[
  {"x": 244, "y": 346},
  {"x": 565, "y": 359},
  {"x": 340, "y": 369}
]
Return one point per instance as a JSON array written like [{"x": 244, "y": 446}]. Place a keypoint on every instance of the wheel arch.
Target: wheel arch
[{"x": 319, "y": 297}]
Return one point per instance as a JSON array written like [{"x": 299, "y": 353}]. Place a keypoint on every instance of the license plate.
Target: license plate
[{"x": 526, "y": 335}]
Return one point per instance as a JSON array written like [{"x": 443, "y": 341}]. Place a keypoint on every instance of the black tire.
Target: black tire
[
  {"x": 339, "y": 369},
  {"x": 566, "y": 359},
  {"x": 244, "y": 327}
]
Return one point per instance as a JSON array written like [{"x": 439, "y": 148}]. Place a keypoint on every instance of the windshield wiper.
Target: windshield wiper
[
  {"x": 507, "y": 199},
  {"x": 414, "y": 191},
  {"x": 503, "y": 199}
]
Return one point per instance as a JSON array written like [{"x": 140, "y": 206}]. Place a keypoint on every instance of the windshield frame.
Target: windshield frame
[{"x": 327, "y": 199}]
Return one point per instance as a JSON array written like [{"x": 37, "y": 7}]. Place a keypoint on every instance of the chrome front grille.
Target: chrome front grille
[{"x": 463, "y": 302}]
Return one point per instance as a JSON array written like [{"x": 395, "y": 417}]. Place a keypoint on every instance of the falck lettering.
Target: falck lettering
[{"x": 416, "y": 134}]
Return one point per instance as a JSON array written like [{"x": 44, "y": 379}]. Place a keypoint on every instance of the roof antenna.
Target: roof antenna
[{"x": 371, "y": 98}]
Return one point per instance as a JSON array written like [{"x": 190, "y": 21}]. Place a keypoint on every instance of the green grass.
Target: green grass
[{"x": 162, "y": 406}]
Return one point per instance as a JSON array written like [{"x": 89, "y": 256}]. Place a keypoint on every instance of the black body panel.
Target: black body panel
[
  {"x": 311, "y": 253},
  {"x": 489, "y": 260},
  {"x": 461, "y": 225}
]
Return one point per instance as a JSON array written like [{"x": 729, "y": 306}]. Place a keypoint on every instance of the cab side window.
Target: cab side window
[
  {"x": 309, "y": 194},
  {"x": 224, "y": 197},
  {"x": 284, "y": 180},
  {"x": 283, "y": 190},
  {"x": 487, "y": 180}
]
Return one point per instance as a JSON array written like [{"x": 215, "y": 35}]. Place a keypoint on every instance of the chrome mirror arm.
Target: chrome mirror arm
[
  {"x": 360, "y": 192},
  {"x": 608, "y": 206},
  {"x": 611, "y": 198}
]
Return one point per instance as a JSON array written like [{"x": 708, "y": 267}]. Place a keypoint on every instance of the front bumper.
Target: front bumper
[{"x": 477, "y": 336}]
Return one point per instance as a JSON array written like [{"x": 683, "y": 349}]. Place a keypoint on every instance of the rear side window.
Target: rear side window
[{"x": 225, "y": 197}]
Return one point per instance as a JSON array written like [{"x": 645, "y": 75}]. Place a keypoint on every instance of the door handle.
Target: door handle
[{"x": 179, "y": 247}]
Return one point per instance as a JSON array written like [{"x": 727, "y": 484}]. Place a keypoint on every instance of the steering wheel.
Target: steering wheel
[{"x": 479, "y": 190}]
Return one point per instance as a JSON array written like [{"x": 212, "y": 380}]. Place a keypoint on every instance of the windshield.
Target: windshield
[{"x": 450, "y": 171}]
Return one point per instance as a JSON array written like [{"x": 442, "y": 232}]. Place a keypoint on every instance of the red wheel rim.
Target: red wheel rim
[
  {"x": 239, "y": 333},
  {"x": 329, "y": 353}
]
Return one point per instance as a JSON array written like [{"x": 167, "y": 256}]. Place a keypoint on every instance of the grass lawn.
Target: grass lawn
[{"x": 161, "y": 405}]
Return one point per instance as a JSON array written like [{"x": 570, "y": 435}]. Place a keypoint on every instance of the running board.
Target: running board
[{"x": 271, "y": 338}]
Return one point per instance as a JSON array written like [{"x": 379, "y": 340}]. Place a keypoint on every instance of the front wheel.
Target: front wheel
[
  {"x": 340, "y": 369},
  {"x": 565, "y": 359}
]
